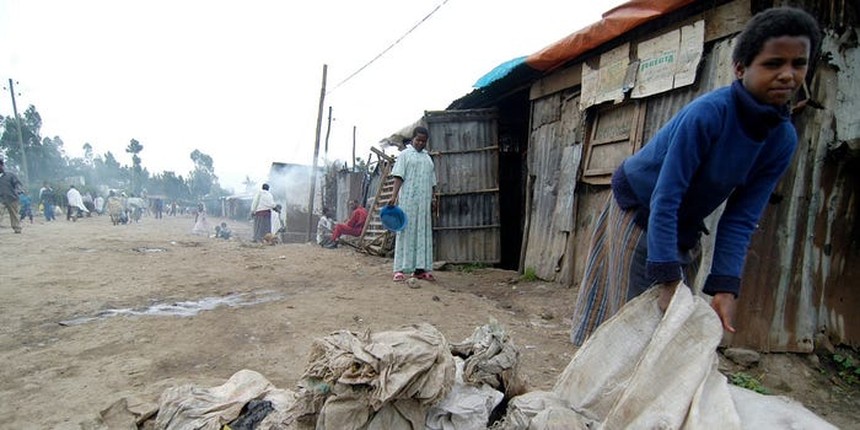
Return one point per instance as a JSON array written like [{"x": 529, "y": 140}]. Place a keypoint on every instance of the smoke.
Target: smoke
[{"x": 290, "y": 184}]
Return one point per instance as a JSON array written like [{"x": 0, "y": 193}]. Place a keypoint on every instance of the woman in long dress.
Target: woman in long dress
[{"x": 201, "y": 225}]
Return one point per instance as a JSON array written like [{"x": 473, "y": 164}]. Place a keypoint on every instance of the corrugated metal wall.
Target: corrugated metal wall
[
  {"x": 465, "y": 149},
  {"x": 554, "y": 158}
]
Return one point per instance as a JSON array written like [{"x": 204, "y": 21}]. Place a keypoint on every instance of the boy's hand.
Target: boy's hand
[
  {"x": 667, "y": 290},
  {"x": 724, "y": 304}
]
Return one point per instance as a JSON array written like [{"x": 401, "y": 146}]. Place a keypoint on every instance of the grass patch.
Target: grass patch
[
  {"x": 529, "y": 275},
  {"x": 847, "y": 368},
  {"x": 748, "y": 381}
]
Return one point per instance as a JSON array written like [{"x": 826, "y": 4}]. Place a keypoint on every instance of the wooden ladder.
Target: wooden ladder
[{"x": 375, "y": 239}]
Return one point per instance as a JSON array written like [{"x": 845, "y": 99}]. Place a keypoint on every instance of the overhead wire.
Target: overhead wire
[{"x": 378, "y": 56}]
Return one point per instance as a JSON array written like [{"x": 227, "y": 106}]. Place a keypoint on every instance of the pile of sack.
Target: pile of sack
[{"x": 641, "y": 369}]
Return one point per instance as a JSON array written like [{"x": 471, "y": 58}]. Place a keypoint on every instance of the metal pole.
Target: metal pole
[
  {"x": 316, "y": 156},
  {"x": 20, "y": 133}
]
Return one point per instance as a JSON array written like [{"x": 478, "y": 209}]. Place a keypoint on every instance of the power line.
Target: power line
[{"x": 426, "y": 17}]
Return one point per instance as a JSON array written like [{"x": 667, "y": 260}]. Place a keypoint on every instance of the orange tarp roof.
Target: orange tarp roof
[{"x": 614, "y": 23}]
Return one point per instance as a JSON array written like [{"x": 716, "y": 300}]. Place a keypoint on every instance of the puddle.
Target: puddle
[
  {"x": 182, "y": 309},
  {"x": 146, "y": 250}
]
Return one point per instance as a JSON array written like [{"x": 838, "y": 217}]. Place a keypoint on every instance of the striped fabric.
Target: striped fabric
[{"x": 615, "y": 270}]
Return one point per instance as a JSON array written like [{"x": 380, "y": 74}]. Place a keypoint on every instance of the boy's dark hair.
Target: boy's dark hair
[
  {"x": 771, "y": 23},
  {"x": 420, "y": 130}
]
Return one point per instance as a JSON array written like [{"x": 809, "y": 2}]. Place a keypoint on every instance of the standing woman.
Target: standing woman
[
  {"x": 201, "y": 224},
  {"x": 414, "y": 179}
]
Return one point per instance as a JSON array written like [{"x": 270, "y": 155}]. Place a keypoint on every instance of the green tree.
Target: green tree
[
  {"x": 109, "y": 172},
  {"x": 170, "y": 185},
  {"x": 30, "y": 125},
  {"x": 202, "y": 179},
  {"x": 134, "y": 148}
]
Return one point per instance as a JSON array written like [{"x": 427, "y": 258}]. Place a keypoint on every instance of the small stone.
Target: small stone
[
  {"x": 823, "y": 344},
  {"x": 742, "y": 357},
  {"x": 436, "y": 299}
]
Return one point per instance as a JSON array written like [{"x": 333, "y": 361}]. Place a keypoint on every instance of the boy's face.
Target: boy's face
[{"x": 777, "y": 71}]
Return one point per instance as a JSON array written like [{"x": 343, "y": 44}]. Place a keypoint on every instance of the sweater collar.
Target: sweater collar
[{"x": 757, "y": 118}]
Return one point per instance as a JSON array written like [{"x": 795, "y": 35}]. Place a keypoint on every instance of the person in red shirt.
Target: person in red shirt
[{"x": 355, "y": 224}]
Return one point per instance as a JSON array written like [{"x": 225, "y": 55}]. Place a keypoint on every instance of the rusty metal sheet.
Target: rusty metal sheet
[{"x": 465, "y": 149}]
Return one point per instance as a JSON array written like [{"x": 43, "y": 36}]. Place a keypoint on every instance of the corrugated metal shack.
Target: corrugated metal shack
[{"x": 596, "y": 96}]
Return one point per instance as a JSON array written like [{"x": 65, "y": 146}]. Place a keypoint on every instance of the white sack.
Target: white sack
[{"x": 466, "y": 407}]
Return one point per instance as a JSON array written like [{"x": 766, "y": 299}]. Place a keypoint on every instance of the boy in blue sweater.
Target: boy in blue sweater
[{"x": 731, "y": 145}]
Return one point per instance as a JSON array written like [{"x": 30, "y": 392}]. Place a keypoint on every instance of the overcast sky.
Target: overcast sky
[{"x": 241, "y": 81}]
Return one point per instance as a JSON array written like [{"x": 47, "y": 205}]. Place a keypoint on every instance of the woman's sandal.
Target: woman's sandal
[
  {"x": 427, "y": 276},
  {"x": 399, "y": 277}
]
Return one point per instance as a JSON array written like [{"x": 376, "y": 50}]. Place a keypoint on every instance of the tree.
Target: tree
[
  {"x": 134, "y": 147},
  {"x": 202, "y": 179},
  {"x": 109, "y": 171},
  {"x": 170, "y": 185},
  {"x": 88, "y": 154},
  {"x": 30, "y": 125}
]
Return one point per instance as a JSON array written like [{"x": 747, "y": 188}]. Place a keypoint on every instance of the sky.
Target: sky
[{"x": 241, "y": 81}]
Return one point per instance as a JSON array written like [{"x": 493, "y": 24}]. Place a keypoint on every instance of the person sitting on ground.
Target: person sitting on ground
[
  {"x": 324, "y": 230},
  {"x": 354, "y": 225},
  {"x": 222, "y": 231}
]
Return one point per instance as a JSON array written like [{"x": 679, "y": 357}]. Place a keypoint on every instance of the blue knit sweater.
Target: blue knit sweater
[{"x": 723, "y": 145}]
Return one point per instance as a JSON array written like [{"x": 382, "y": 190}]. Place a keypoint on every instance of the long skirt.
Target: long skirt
[
  {"x": 262, "y": 224},
  {"x": 615, "y": 270}
]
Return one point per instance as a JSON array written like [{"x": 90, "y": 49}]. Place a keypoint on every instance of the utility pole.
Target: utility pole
[
  {"x": 316, "y": 156},
  {"x": 20, "y": 133},
  {"x": 327, "y": 132},
  {"x": 353, "y": 148}
]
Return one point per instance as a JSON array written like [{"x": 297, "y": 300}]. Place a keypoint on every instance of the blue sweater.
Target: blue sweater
[{"x": 723, "y": 145}]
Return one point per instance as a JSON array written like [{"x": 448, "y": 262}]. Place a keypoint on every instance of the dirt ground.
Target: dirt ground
[{"x": 66, "y": 356}]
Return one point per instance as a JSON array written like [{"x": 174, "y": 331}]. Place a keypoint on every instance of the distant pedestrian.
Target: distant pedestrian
[
  {"x": 9, "y": 187},
  {"x": 26, "y": 205},
  {"x": 75, "y": 204},
  {"x": 261, "y": 211},
  {"x": 48, "y": 199}
]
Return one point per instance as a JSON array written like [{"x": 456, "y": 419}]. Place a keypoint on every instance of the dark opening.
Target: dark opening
[{"x": 513, "y": 144}]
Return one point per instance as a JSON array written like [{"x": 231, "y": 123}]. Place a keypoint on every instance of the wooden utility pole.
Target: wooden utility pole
[
  {"x": 316, "y": 156},
  {"x": 327, "y": 132},
  {"x": 20, "y": 134},
  {"x": 353, "y": 148}
]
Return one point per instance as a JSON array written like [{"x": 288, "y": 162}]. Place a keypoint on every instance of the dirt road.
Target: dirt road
[{"x": 91, "y": 313}]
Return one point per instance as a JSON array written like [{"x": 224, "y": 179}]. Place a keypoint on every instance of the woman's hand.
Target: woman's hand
[{"x": 724, "y": 304}]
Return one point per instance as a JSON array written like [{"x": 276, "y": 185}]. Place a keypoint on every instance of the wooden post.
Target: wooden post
[
  {"x": 327, "y": 132},
  {"x": 316, "y": 156}
]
